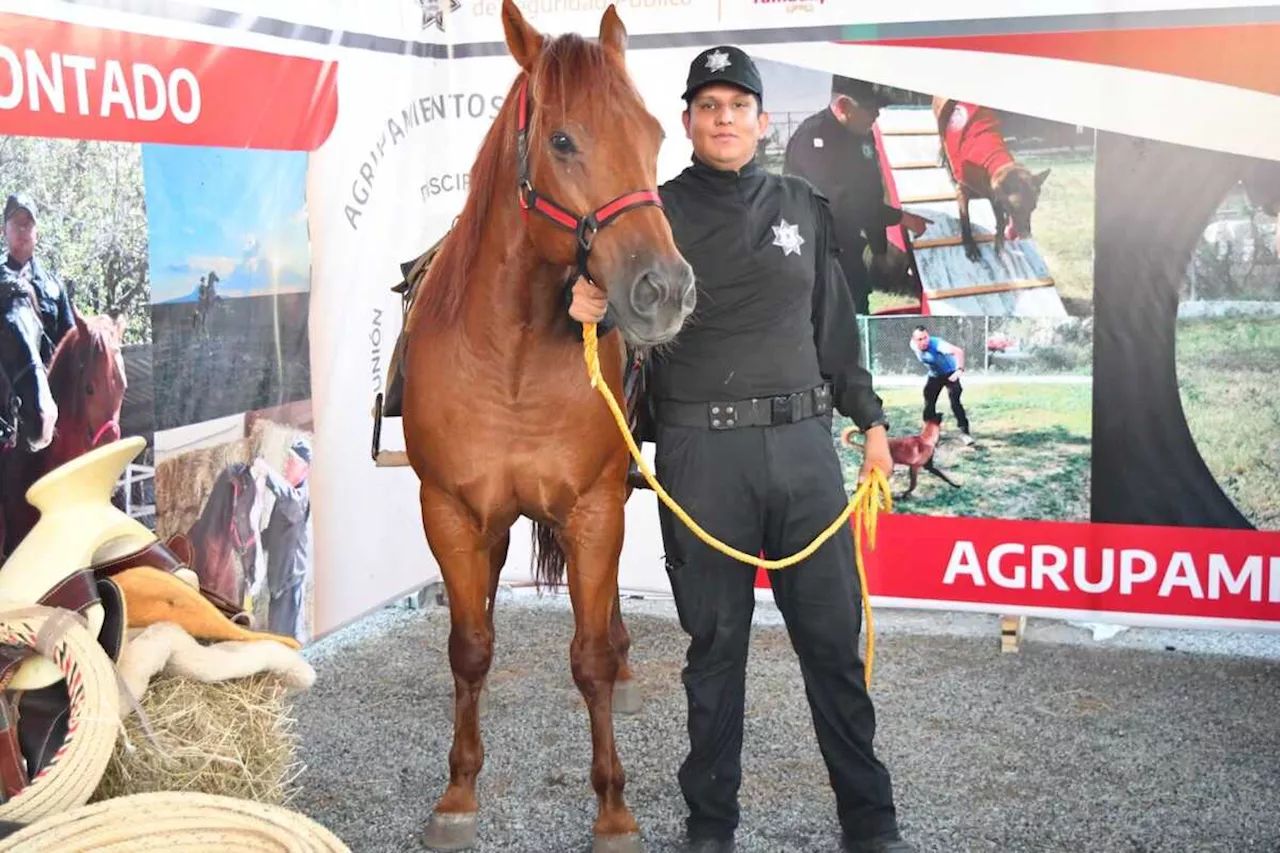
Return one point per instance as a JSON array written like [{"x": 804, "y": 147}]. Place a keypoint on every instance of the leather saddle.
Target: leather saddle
[
  {"x": 639, "y": 418},
  {"x": 33, "y": 723}
]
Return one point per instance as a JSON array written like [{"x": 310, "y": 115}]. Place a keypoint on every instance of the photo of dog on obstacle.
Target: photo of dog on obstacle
[{"x": 941, "y": 206}]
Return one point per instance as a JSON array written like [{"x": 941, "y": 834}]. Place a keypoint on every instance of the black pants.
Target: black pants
[
  {"x": 856, "y": 275},
  {"x": 932, "y": 388},
  {"x": 775, "y": 489}
]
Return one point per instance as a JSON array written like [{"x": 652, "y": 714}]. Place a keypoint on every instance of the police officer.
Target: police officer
[
  {"x": 743, "y": 441},
  {"x": 20, "y": 262},
  {"x": 835, "y": 150}
]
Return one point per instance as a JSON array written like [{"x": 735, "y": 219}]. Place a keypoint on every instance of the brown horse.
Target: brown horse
[
  {"x": 220, "y": 546},
  {"x": 88, "y": 383},
  {"x": 499, "y": 417}
]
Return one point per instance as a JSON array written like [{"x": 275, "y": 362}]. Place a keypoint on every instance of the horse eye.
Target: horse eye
[
  {"x": 88, "y": 390},
  {"x": 562, "y": 143}
]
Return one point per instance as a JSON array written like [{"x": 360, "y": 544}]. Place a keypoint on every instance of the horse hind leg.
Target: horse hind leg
[
  {"x": 593, "y": 544},
  {"x": 627, "y": 698},
  {"x": 465, "y": 562}
]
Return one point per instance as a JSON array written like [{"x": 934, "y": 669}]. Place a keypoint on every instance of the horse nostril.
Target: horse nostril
[
  {"x": 650, "y": 292},
  {"x": 690, "y": 298}
]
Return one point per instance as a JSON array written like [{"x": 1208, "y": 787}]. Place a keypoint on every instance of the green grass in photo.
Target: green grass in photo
[{"x": 1226, "y": 377}]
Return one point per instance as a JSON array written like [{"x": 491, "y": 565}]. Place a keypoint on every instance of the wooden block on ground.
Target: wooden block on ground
[{"x": 1011, "y": 628}]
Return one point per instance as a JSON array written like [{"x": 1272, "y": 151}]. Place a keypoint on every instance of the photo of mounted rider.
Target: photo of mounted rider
[
  {"x": 235, "y": 505},
  {"x": 231, "y": 280},
  {"x": 75, "y": 354},
  {"x": 942, "y": 206}
]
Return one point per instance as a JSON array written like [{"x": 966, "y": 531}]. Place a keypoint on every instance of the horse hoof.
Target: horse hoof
[
  {"x": 617, "y": 844},
  {"x": 445, "y": 832},
  {"x": 626, "y": 697}
]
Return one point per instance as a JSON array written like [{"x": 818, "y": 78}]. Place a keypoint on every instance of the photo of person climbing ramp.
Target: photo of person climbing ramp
[
  {"x": 942, "y": 206},
  {"x": 230, "y": 263}
]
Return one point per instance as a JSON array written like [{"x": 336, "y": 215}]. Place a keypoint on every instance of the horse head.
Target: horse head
[
  {"x": 28, "y": 410},
  {"x": 225, "y": 529},
  {"x": 244, "y": 497},
  {"x": 587, "y": 151},
  {"x": 569, "y": 166},
  {"x": 88, "y": 378}
]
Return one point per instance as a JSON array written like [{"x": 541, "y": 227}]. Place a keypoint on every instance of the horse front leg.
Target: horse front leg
[
  {"x": 592, "y": 540},
  {"x": 626, "y": 693},
  {"x": 465, "y": 564}
]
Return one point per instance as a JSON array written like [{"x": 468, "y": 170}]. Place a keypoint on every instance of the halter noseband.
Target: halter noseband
[{"x": 584, "y": 228}]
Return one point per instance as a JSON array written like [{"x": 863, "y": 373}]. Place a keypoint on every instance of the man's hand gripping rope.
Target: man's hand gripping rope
[{"x": 864, "y": 506}]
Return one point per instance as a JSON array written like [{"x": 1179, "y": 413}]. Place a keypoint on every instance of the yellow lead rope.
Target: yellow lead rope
[{"x": 864, "y": 506}]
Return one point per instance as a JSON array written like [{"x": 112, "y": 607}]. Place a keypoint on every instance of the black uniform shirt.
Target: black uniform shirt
[
  {"x": 51, "y": 295},
  {"x": 844, "y": 167},
  {"x": 773, "y": 314}
]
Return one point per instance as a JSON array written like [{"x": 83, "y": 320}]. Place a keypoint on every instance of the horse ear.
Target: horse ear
[
  {"x": 613, "y": 35},
  {"x": 81, "y": 326},
  {"x": 1040, "y": 178},
  {"x": 122, "y": 323},
  {"x": 523, "y": 41}
]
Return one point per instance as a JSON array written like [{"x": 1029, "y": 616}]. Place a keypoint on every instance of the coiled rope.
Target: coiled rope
[{"x": 864, "y": 506}]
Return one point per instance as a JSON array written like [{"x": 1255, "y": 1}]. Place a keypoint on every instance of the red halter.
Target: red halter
[{"x": 584, "y": 228}]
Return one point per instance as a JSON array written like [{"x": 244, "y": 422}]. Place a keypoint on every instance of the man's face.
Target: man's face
[
  {"x": 856, "y": 117},
  {"x": 295, "y": 470},
  {"x": 725, "y": 125},
  {"x": 920, "y": 340},
  {"x": 20, "y": 236}
]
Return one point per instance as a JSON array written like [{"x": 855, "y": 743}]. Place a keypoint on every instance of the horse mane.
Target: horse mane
[{"x": 568, "y": 66}]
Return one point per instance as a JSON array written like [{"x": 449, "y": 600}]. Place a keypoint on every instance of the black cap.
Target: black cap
[
  {"x": 16, "y": 202},
  {"x": 866, "y": 94},
  {"x": 724, "y": 64},
  {"x": 302, "y": 448}
]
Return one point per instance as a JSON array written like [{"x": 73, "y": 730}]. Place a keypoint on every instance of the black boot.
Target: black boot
[
  {"x": 708, "y": 845},
  {"x": 882, "y": 844}
]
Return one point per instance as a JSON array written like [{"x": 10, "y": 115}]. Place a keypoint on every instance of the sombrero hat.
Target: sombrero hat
[{"x": 165, "y": 820}]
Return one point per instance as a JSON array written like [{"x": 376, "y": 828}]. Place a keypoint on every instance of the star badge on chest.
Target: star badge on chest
[{"x": 787, "y": 237}]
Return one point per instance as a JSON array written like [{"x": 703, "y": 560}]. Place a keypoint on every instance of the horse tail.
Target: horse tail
[{"x": 548, "y": 558}]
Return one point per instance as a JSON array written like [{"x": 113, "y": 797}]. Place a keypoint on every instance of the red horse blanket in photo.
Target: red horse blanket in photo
[{"x": 975, "y": 147}]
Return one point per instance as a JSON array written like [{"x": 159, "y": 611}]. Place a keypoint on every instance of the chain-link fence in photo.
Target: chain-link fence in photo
[{"x": 994, "y": 347}]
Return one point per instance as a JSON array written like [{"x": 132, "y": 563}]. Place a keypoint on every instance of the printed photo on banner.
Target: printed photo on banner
[
  {"x": 231, "y": 273},
  {"x": 235, "y": 504},
  {"x": 977, "y": 315},
  {"x": 941, "y": 206},
  {"x": 75, "y": 332},
  {"x": 1228, "y": 345},
  {"x": 990, "y": 417}
]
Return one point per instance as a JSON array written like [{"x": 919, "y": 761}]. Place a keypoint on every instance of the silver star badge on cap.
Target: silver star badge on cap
[{"x": 717, "y": 62}]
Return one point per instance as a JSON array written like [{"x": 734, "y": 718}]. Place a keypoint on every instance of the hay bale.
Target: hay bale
[{"x": 233, "y": 738}]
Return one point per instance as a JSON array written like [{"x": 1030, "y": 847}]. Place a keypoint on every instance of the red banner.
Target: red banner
[
  {"x": 1019, "y": 566},
  {"x": 63, "y": 80}
]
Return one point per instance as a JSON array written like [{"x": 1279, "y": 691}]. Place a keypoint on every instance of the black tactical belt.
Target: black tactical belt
[{"x": 756, "y": 412}]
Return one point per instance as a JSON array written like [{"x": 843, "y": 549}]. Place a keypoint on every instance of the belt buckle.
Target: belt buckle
[{"x": 781, "y": 409}]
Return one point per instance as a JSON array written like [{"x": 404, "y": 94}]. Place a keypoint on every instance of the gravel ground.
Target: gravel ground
[{"x": 1132, "y": 745}]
